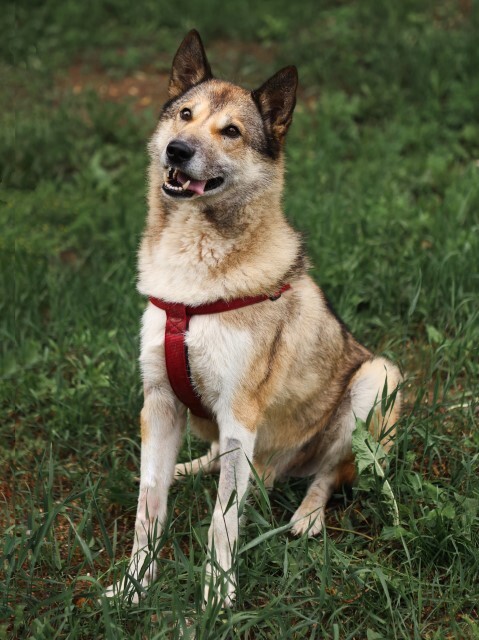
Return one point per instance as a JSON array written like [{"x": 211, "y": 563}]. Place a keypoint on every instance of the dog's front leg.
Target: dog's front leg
[
  {"x": 163, "y": 422},
  {"x": 236, "y": 453}
]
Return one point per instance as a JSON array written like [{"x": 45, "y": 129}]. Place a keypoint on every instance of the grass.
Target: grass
[{"x": 383, "y": 179}]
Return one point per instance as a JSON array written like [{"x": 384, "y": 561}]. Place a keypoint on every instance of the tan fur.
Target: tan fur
[
  {"x": 143, "y": 428},
  {"x": 283, "y": 379}
]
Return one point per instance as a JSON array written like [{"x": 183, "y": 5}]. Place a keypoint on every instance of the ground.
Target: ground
[{"x": 383, "y": 179}]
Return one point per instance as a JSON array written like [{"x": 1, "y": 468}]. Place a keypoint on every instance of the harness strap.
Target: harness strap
[{"x": 176, "y": 353}]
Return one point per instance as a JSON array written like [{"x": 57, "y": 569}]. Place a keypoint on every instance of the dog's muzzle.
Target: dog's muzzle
[{"x": 177, "y": 182}]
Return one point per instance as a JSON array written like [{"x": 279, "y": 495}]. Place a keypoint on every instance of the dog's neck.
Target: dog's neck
[{"x": 195, "y": 252}]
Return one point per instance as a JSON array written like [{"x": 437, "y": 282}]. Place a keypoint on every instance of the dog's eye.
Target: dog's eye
[
  {"x": 185, "y": 114},
  {"x": 231, "y": 131}
]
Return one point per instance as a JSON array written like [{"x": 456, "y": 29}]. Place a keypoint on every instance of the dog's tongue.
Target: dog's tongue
[{"x": 198, "y": 186}]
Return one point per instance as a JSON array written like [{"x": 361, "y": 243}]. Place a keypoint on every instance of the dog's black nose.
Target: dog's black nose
[{"x": 178, "y": 151}]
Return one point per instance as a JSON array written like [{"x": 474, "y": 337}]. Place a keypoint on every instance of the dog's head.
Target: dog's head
[{"x": 215, "y": 139}]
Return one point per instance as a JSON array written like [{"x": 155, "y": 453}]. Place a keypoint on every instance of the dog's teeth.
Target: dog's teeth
[
  {"x": 175, "y": 173},
  {"x": 186, "y": 185}
]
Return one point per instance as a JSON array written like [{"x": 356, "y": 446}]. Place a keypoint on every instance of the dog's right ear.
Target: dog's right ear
[{"x": 190, "y": 65}]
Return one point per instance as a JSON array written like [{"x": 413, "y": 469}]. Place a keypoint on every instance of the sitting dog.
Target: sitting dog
[{"x": 235, "y": 330}]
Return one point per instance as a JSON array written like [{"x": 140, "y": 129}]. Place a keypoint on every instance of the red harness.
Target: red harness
[{"x": 177, "y": 320}]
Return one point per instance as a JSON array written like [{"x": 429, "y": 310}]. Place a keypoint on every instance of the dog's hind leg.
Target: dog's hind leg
[
  {"x": 310, "y": 515},
  {"x": 335, "y": 460},
  {"x": 209, "y": 463}
]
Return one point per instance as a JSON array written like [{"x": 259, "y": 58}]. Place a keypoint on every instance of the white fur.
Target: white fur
[
  {"x": 218, "y": 353},
  {"x": 183, "y": 264},
  {"x": 152, "y": 362},
  {"x": 178, "y": 268},
  {"x": 220, "y": 356},
  {"x": 368, "y": 385},
  {"x": 209, "y": 463},
  {"x": 236, "y": 451}
]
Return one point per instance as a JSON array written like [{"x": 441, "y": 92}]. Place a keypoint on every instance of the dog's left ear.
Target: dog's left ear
[
  {"x": 190, "y": 65},
  {"x": 276, "y": 99}
]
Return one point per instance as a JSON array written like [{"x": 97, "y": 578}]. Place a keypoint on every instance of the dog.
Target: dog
[{"x": 277, "y": 378}]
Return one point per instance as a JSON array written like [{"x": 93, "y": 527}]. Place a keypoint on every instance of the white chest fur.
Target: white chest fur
[
  {"x": 181, "y": 266},
  {"x": 218, "y": 354}
]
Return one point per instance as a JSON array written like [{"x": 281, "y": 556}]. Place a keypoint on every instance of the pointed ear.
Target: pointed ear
[
  {"x": 276, "y": 99},
  {"x": 190, "y": 65}
]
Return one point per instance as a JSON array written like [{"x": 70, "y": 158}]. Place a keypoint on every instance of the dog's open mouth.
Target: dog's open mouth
[{"x": 180, "y": 185}]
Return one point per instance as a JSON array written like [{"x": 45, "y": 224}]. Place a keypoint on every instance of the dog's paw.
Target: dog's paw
[
  {"x": 124, "y": 589},
  {"x": 212, "y": 597},
  {"x": 310, "y": 523},
  {"x": 219, "y": 590}
]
